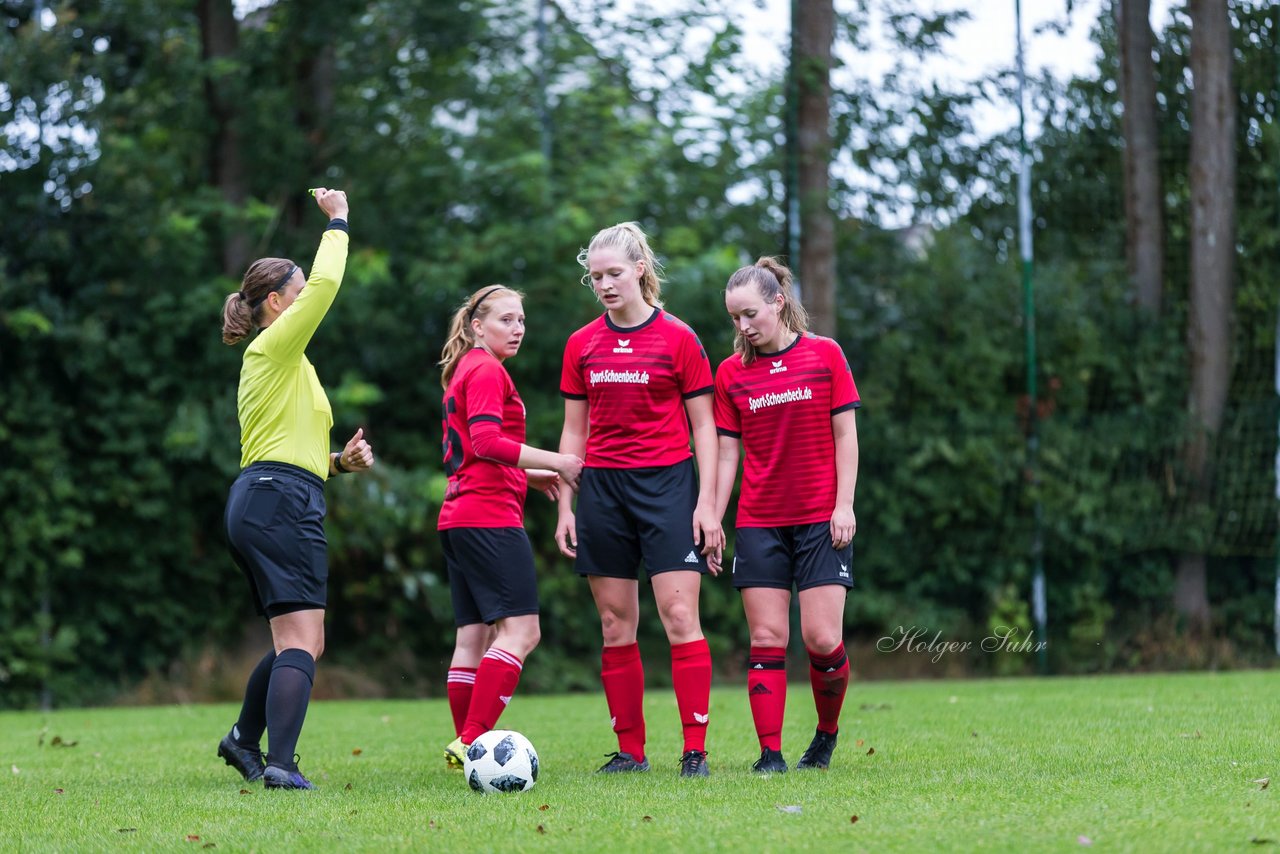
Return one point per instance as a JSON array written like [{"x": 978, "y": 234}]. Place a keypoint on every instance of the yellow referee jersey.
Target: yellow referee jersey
[{"x": 284, "y": 414}]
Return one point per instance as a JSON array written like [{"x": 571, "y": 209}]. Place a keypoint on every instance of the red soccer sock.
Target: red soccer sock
[
  {"x": 691, "y": 678},
  {"x": 829, "y": 676},
  {"x": 462, "y": 681},
  {"x": 622, "y": 674},
  {"x": 496, "y": 681},
  {"x": 767, "y": 692}
]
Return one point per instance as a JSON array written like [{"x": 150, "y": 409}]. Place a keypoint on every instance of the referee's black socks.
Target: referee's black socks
[
  {"x": 253, "y": 712},
  {"x": 292, "y": 674}
]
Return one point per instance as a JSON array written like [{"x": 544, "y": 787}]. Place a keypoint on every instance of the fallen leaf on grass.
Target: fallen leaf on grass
[
  {"x": 973, "y": 734},
  {"x": 870, "y": 750},
  {"x": 209, "y": 845},
  {"x": 1195, "y": 734},
  {"x": 1262, "y": 782},
  {"x": 545, "y": 807},
  {"x": 58, "y": 742},
  {"x": 859, "y": 742},
  {"x": 1261, "y": 840},
  {"x": 244, "y": 791},
  {"x": 541, "y": 829},
  {"x": 431, "y": 824},
  {"x": 791, "y": 809},
  {"x": 853, "y": 819},
  {"x": 191, "y": 837},
  {"x": 1084, "y": 840},
  {"x": 347, "y": 788},
  {"x": 356, "y": 752},
  {"x": 59, "y": 791},
  {"x": 647, "y": 818},
  {"x": 126, "y": 830}
]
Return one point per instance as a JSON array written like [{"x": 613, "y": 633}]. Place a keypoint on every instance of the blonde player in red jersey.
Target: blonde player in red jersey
[
  {"x": 634, "y": 381},
  {"x": 787, "y": 397},
  {"x": 492, "y": 578}
]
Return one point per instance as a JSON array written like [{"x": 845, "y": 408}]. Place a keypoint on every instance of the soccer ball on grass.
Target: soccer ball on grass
[{"x": 501, "y": 761}]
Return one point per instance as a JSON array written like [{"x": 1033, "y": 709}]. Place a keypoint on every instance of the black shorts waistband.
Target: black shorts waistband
[{"x": 284, "y": 468}]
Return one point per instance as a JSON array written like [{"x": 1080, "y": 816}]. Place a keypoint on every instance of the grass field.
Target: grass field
[{"x": 1142, "y": 763}]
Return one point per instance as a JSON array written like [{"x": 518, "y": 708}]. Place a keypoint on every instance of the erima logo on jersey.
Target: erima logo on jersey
[
  {"x": 791, "y": 395},
  {"x": 691, "y": 557},
  {"x": 624, "y": 346},
  {"x": 844, "y": 571},
  {"x": 778, "y": 367},
  {"x": 702, "y": 719},
  {"x": 632, "y": 377}
]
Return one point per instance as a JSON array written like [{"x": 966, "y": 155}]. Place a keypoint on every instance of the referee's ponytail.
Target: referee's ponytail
[
  {"x": 461, "y": 337},
  {"x": 242, "y": 309},
  {"x": 770, "y": 277}
]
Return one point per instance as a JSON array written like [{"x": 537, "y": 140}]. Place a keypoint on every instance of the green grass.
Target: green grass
[{"x": 1120, "y": 763}]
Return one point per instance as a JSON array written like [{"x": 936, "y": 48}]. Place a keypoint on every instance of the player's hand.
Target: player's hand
[
  {"x": 843, "y": 526},
  {"x": 567, "y": 534},
  {"x": 357, "y": 455},
  {"x": 570, "y": 470},
  {"x": 333, "y": 203},
  {"x": 545, "y": 481},
  {"x": 714, "y": 563},
  {"x": 707, "y": 530}
]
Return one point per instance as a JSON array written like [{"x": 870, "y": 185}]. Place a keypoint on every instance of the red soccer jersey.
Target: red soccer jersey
[
  {"x": 635, "y": 382},
  {"x": 781, "y": 406},
  {"x": 481, "y": 493}
]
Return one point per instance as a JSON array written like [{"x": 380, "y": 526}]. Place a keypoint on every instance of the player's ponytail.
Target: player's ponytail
[
  {"x": 770, "y": 277},
  {"x": 629, "y": 239},
  {"x": 461, "y": 337},
  {"x": 242, "y": 310}
]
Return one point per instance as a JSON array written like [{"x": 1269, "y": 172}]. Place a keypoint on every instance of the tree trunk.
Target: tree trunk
[
  {"x": 1212, "y": 182},
  {"x": 1143, "y": 215},
  {"x": 219, "y": 39},
  {"x": 811, "y": 55}
]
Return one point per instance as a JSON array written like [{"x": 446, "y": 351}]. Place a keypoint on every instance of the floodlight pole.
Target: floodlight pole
[
  {"x": 1032, "y": 474},
  {"x": 1275, "y": 37}
]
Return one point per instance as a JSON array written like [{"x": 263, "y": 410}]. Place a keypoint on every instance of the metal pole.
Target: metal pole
[
  {"x": 793, "y": 155},
  {"x": 43, "y": 586},
  {"x": 1275, "y": 114},
  {"x": 1038, "y": 604}
]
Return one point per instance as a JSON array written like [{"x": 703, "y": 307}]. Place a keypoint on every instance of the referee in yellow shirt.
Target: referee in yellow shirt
[{"x": 275, "y": 511}]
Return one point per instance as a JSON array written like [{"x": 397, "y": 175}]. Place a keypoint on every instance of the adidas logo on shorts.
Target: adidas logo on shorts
[{"x": 692, "y": 557}]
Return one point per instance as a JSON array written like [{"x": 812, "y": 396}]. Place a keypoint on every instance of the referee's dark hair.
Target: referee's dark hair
[{"x": 242, "y": 309}]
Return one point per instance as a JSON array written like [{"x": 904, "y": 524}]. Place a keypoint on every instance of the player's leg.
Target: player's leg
[
  {"x": 621, "y": 670},
  {"x": 767, "y": 611},
  {"x": 298, "y": 637}
]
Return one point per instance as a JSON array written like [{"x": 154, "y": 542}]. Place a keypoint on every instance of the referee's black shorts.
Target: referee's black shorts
[
  {"x": 790, "y": 555},
  {"x": 491, "y": 574},
  {"x": 275, "y": 524},
  {"x": 625, "y": 516}
]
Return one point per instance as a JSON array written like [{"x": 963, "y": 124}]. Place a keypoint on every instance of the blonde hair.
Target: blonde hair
[
  {"x": 770, "y": 277},
  {"x": 629, "y": 239},
  {"x": 461, "y": 337},
  {"x": 242, "y": 310}
]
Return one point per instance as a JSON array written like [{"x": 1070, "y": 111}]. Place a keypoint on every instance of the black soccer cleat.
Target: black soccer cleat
[
  {"x": 280, "y": 778},
  {"x": 248, "y": 762},
  {"x": 770, "y": 762},
  {"x": 819, "y": 753},
  {"x": 694, "y": 764},
  {"x": 621, "y": 763}
]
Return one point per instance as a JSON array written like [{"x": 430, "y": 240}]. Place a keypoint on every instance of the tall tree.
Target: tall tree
[
  {"x": 813, "y": 29},
  {"x": 1212, "y": 254},
  {"x": 219, "y": 37},
  {"x": 1144, "y": 223}
]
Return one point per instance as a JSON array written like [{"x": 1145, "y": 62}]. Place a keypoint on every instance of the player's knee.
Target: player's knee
[
  {"x": 823, "y": 640},
  {"x": 769, "y": 636}
]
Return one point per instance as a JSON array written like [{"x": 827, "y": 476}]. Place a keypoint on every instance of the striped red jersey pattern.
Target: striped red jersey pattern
[
  {"x": 635, "y": 381},
  {"x": 481, "y": 493},
  {"x": 780, "y": 406}
]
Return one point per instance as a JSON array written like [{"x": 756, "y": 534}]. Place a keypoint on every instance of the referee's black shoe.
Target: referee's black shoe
[
  {"x": 276, "y": 777},
  {"x": 770, "y": 762},
  {"x": 819, "y": 753},
  {"x": 694, "y": 764},
  {"x": 248, "y": 762}
]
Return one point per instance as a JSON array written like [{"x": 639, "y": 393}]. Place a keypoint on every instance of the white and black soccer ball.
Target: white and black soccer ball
[{"x": 501, "y": 761}]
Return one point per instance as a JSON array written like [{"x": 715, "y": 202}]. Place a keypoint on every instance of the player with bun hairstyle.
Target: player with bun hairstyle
[
  {"x": 634, "y": 381},
  {"x": 785, "y": 403},
  {"x": 276, "y": 508},
  {"x": 487, "y": 552}
]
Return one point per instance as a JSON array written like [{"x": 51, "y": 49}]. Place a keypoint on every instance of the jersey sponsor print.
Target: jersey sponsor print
[
  {"x": 781, "y": 406},
  {"x": 635, "y": 381}
]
